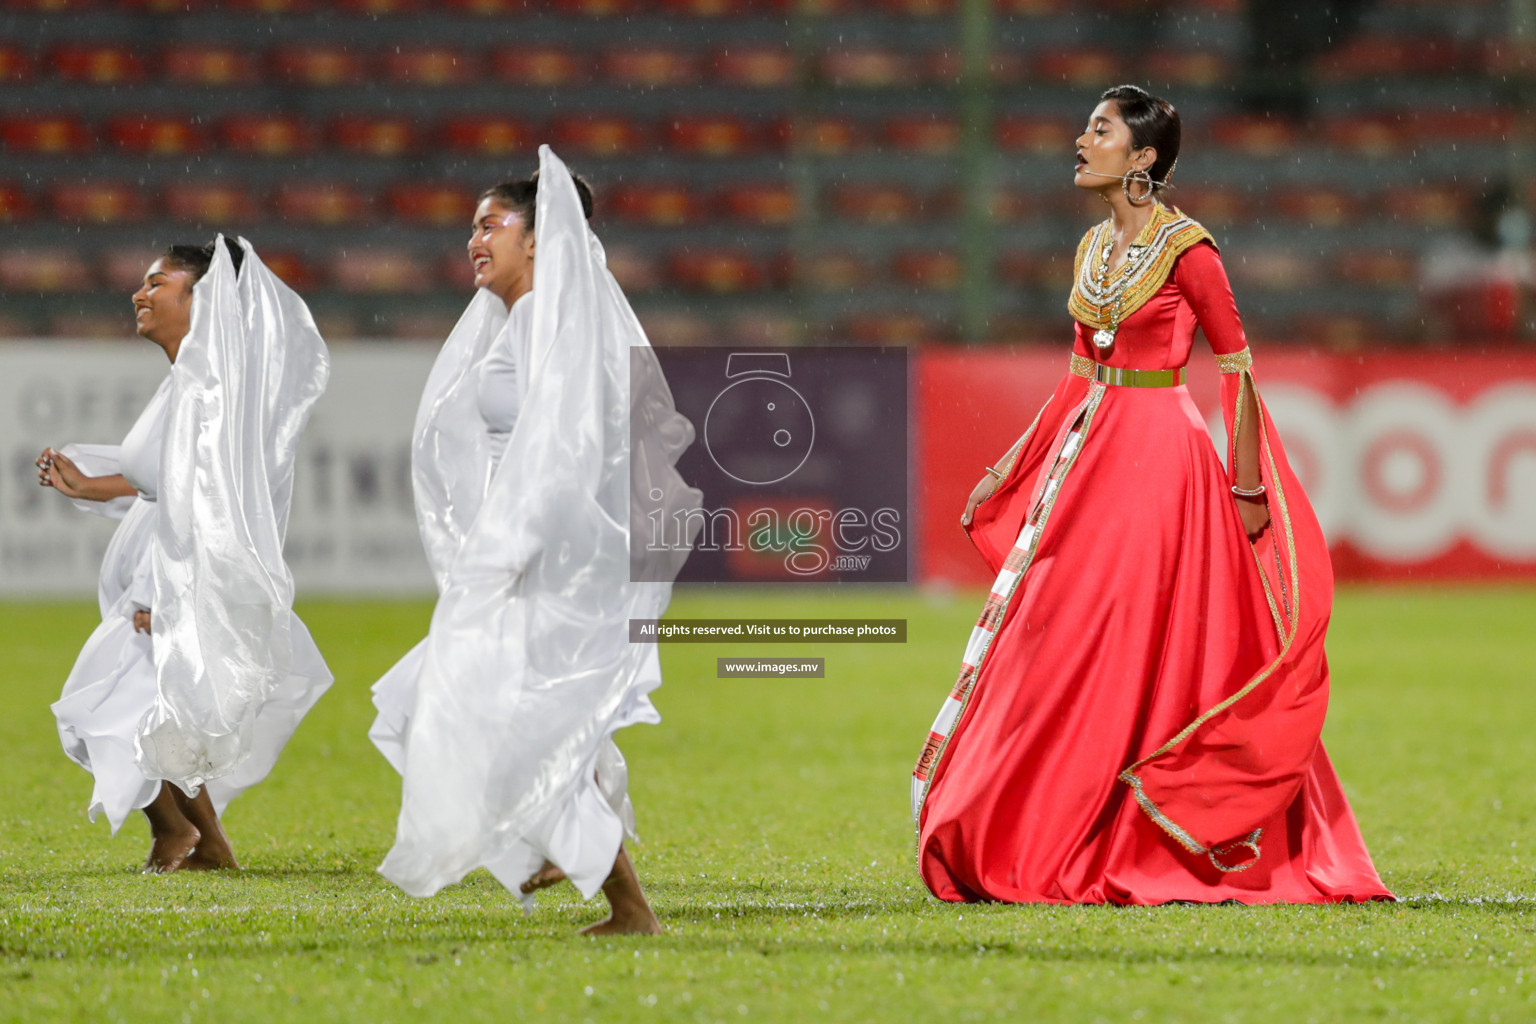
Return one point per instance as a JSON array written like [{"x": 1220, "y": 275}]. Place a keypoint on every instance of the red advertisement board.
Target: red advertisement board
[{"x": 1421, "y": 465}]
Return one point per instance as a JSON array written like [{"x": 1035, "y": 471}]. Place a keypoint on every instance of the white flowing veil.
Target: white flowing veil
[
  {"x": 245, "y": 379},
  {"x": 527, "y": 664}
]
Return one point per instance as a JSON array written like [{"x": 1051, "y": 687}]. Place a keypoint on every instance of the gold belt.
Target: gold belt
[{"x": 1120, "y": 377}]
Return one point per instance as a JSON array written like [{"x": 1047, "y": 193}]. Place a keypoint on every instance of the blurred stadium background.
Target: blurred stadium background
[{"x": 783, "y": 172}]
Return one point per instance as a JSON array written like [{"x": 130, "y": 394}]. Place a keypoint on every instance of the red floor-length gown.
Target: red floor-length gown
[{"x": 1137, "y": 717}]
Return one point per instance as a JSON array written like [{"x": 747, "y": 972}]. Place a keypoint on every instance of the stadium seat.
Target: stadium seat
[
  {"x": 707, "y": 8},
  {"x": 488, "y": 136},
  {"x": 923, "y": 135},
  {"x": 1213, "y": 206},
  {"x": 457, "y": 272},
  {"x": 294, "y": 270},
  {"x": 216, "y": 204},
  {"x": 678, "y": 327},
  {"x": 163, "y": 6},
  {"x": 210, "y": 65},
  {"x": 45, "y": 135},
  {"x": 155, "y": 136},
  {"x": 1372, "y": 135},
  {"x": 15, "y": 204},
  {"x": 596, "y": 8},
  {"x": 1377, "y": 267},
  {"x": 636, "y": 268},
  {"x": 823, "y": 135},
  {"x": 86, "y": 326},
  {"x": 375, "y": 136},
  {"x": 1315, "y": 205},
  {"x": 270, "y": 135},
  {"x": 706, "y": 135},
  {"x": 544, "y": 66},
  {"x": 1203, "y": 69},
  {"x": 44, "y": 270},
  {"x": 377, "y": 8},
  {"x": 1030, "y": 8},
  {"x": 15, "y": 65},
  {"x": 871, "y": 68},
  {"x": 99, "y": 202},
  {"x": 436, "y": 205},
  {"x": 1275, "y": 268},
  {"x": 314, "y": 202},
  {"x": 765, "y": 328},
  {"x": 758, "y": 67},
  {"x": 1488, "y": 125},
  {"x": 1427, "y": 205},
  {"x": 895, "y": 328},
  {"x": 122, "y": 270},
  {"x": 381, "y": 270},
  {"x": 649, "y": 68},
  {"x": 597, "y": 135},
  {"x": 1254, "y": 134},
  {"x": 871, "y": 203},
  {"x": 431, "y": 66},
  {"x": 1019, "y": 268},
  {"x": 1028, "y": 133},
  {"x": 98, "y": 65},
  {"x": 488, "y": 8},
  {"x": 319, "y": 66},
  {"x": 1371, "y": 57},
  {"x": 1011, "y": 204},
  {"x": 1009, "y": 67},
  {"x": 717, "y": 270},
  {"x": 657, "y": 204},
  {"x": 770, "y": 203},
  {"x": 830, "y": 270},
  {"x": 49, "y": 6},
  {"x": 1080, "y": 66},
  {"x": 928, "y": 269},
  {"x": 916, "y": 8},
  {"x": 271, "y": 6}
]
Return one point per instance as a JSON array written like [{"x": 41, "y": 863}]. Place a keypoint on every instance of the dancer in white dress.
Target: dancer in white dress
[
  {"x": 199, "y": 672},
  {"x": 501, "y": 720}
]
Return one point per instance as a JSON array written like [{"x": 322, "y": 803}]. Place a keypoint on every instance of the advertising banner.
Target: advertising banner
[{"x": 1421, "y": 466}]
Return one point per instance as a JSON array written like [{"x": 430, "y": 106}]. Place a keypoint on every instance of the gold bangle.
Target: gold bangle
[{"x": 996, "y": 473}]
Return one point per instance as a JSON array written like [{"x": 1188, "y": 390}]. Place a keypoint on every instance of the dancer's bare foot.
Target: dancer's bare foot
[
  {"x": 629, "y": 913},
  {"x": 545, "y": 877},
  {"x": 173, "y": 837},
  {"x": 213, "y": 849}
]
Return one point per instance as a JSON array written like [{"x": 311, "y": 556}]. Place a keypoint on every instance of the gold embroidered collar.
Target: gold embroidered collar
[{"x": 1149, "y": 260}]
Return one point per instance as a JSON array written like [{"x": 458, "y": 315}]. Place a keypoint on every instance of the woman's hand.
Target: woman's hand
[
  {"x": 1255, "y": 515},
  {"x": 141, "y": 622},
  {"x": 979, "y": 494},
  {"x": 57, "y": 471}
]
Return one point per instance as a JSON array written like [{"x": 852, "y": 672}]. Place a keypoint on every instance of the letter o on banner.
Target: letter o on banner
[
  {"x": 1309, "y": 431},
  {"x": 1500, "y": 432},
  {"x": 1410, "y": 473}
]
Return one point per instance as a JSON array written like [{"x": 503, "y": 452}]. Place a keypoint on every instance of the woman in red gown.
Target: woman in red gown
[{"x": 1138, "y": 711}]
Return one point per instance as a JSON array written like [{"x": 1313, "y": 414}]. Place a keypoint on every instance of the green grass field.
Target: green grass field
[{"x": 777, "y": 849}]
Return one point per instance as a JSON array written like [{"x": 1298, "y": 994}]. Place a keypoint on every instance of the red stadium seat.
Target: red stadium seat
[
  {"x": 771, "y": 203},
  {"x": 871, "y": 203},
  {"x": 705, "y": 135},
  {"x": 766, "y": 328},
  {"x": 1253, "y": 134},
  {"x": 1275, "y": 269},
  {"x": 758, "y": 67},
  {"x": 649, "y": 68},
  {"x": 544, "y": 66},
  {"x": 1378, "y": 268},
  {"x": 1316, "y": 206},
  {"x": 216, "y": 204},
  {"x": 155, "y": 136},
  {"x": 1214, "y": 207},
  {"x": 382, "y": 270},
  {"x": 824, "y": 136},
  {"x": 945, "y": 66},
  {"x": 661, "y": 205},
  {"x": 271, "y": 135},
  {"x": 44, "y": 135},
  {"x": 1011, "y": 205},
  {"x": 294, "y": 270},
  {"x": 122, "y": 270},
  {"x": 458, "y": 273},
  {"x": 488, "y": 8},
  {"x": 1376, "y": 135},
  {"x": 314, "y": 202},
  {"x": 870, "y": 68},
  {"x": 319, "y": 66},
  {"x": 15, "y": 65},
  {"x": 1200, "y": 68},
  {"x": 1489, "y": 125},
  {"x": 811, "y": 8},
  {"x": 44, "y": 270},
  {"x": 831, "y": 270},
  {"x": 15, "y": 204},
  {"x": 721, "y": 271},
  {"x": 917, "y": 8},
  {"x": 375, "y": 136},
  {"x": 435, "y": 205},
  {"x": 911, "y": 329},
  {"x": 707, "y": 8},
  {"x": 597, "y": 8},
  {"x": 929, "y": 136},
  {"x": 1080, "y": 66},
  {"x": 488, "y": 136},
  {"x": 431, "y": 66},
  {"x": 1019, "y": 268},
  {"x": 1430, "y": 206},
  {"x": 163, "y": 6},
  {"x": 1030, "y": 8},
  {"x": 98, "y": 65},
  {"x": 49, "y": 6},
  {"x": 271, "y": 6},
  {"x": 210, "y": 65},
  {"x": 379, "y": 7},
  {"x": 597, "y": 135},
  {"x": 99, "y": 202},
  {"x": 1027, "y": 133},
  {"x": 677, "y": 327},
  {"x": 1372, "y": 57},
  {"x": 929, "y": 269},
  {"x": 635, "y": 268}
]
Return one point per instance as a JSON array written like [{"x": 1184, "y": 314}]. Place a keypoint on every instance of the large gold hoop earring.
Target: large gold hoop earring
[{"x": 1146, "y": 182}]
